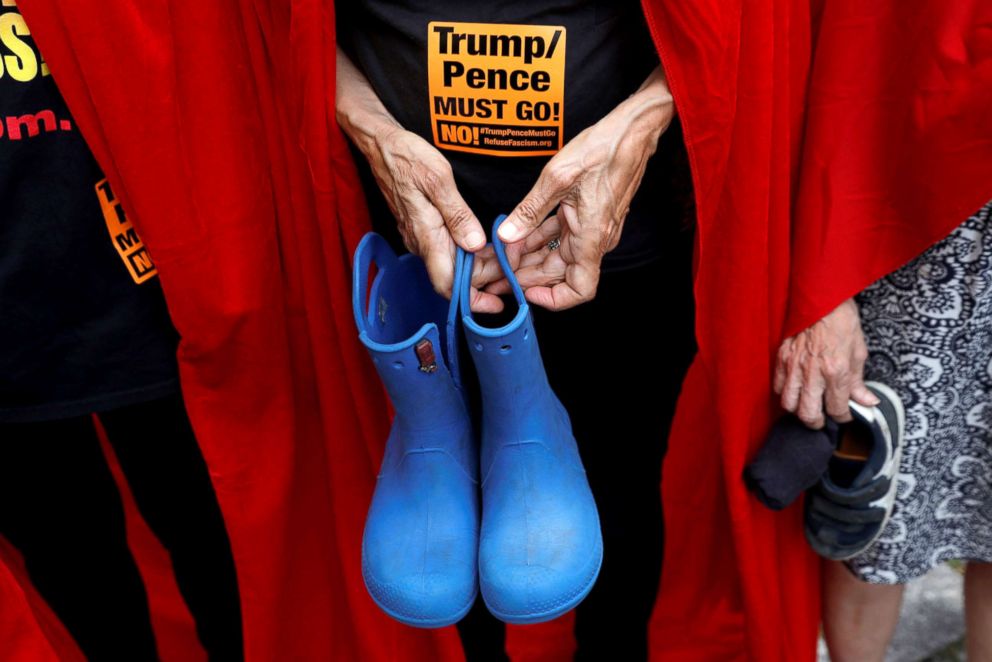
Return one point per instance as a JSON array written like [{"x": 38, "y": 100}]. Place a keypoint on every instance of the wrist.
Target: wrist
[
  {"x": 649, "y": 110},
  {"x": 366, "y": 127},
  {"x": 360, "y": 113}
]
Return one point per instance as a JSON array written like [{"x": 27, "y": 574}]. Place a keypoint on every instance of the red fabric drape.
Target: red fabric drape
[
  {"x": 739, "y": 581},
  {"x": 28, "y": 630},
  {"x": 899, "y": 142},
  {"x": 215, "y": 123}
]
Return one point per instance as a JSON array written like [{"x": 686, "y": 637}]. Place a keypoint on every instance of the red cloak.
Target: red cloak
[{"x": 214, "y": 122}]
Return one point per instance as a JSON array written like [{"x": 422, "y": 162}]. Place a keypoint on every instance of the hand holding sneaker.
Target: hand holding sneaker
[{"x": 820, "y": 369}]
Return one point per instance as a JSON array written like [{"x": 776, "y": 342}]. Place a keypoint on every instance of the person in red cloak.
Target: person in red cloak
[
  {"x": 891, "y": 217},
  {"x": 232, "y": 166},
  {"x": 88, "y": 358},
  {"x": 923, "y": 333}
]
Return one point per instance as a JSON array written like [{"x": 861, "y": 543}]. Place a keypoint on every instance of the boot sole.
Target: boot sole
[
  {"x": 427, "y": 623},
  {"x": 540, "y": 617}
]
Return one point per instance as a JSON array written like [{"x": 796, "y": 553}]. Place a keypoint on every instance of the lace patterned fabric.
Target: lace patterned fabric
[{"x": 929, "y": 332}]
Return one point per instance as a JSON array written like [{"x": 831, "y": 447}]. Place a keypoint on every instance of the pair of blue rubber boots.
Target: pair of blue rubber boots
[{"x": 536, "y": 548}]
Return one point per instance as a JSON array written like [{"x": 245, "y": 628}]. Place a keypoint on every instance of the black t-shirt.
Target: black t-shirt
[
  {"x": 500, "y": 86},
  {"x": 83, "y": 323}
]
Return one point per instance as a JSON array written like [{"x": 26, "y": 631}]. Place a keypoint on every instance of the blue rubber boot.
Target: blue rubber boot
[
  {"x": 540, "y": 546},
  {"x": 420, "y": 547}
]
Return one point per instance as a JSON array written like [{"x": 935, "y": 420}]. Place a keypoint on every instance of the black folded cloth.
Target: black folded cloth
[{"x": 792, "y": 460}]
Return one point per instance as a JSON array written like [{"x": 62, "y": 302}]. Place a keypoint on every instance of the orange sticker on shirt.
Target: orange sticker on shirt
[
  {"x": 129, "y": 246},
  {"x": 496, "y": 89}
]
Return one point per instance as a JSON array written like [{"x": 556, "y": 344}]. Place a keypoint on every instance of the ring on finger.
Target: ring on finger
[{"x": 554, "y": 244}]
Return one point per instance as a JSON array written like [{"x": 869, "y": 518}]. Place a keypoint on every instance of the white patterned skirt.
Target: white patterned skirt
[{"x": 929, "y": 332}]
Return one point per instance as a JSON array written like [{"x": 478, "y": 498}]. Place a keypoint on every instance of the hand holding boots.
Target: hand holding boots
[
  {"x": 591, "y": 181},
  {"x": 416, "y": 180}
]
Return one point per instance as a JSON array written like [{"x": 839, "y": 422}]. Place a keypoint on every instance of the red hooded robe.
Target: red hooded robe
[{"x": 214, "y": 121}]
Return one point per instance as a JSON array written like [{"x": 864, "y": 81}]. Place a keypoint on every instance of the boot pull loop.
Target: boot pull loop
[
  {"x": 453, "y": 327},
  {"x": 372, "y": 250},
  {"x": 463, "y": 284},
  {"x": 504, "y": 263}
]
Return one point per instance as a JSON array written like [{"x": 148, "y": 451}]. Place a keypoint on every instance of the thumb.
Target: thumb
[
  {"x": 863, "y": 395},
  {"x": 442, "y": 192},
  {"x": 464, "y": 227},
  {"x": 550, "y": 188}
]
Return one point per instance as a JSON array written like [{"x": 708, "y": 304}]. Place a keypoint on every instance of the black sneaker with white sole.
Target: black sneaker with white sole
[{"x": 847, "y": 510}]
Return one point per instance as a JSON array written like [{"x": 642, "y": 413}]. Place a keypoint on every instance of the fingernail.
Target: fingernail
[
  {"x": 509, "y": 232},
  {"x": 475, "y": 239}
]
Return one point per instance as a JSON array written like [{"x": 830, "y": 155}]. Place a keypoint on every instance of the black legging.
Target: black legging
[
  {"x": 596, "y": 356},
  {"x": 60, "y": 507}
]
